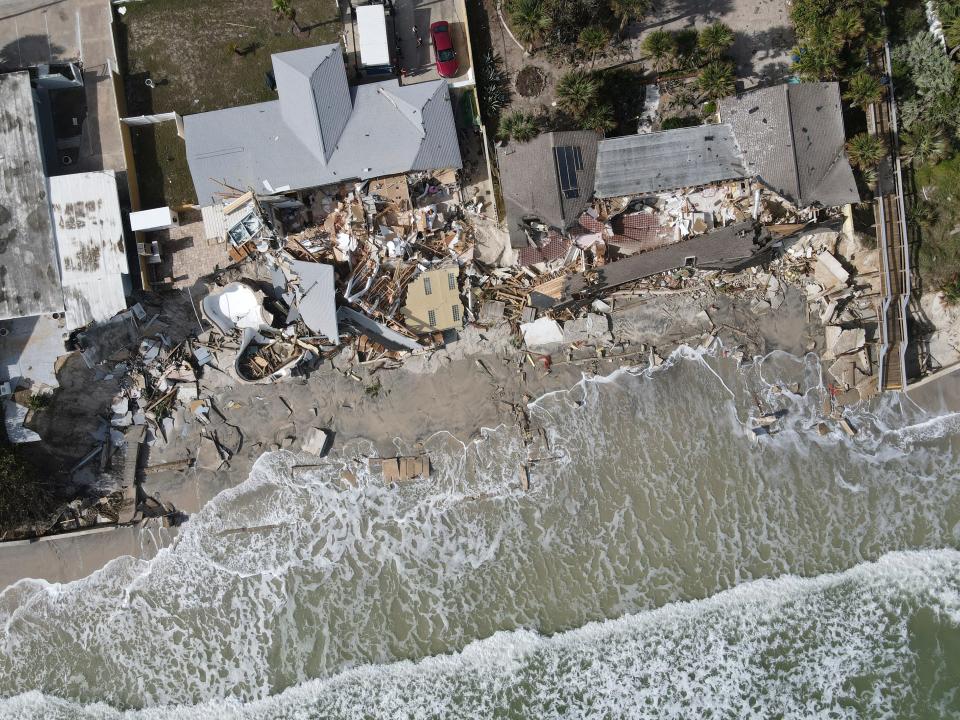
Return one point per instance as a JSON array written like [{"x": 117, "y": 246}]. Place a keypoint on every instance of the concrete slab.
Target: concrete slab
[
  {"x": 28, "y": 346},
  {"x": 71, "y": 30}
]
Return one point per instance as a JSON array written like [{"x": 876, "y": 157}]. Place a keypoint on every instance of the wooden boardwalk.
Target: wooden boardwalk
[{"x": 892, "y": 242}]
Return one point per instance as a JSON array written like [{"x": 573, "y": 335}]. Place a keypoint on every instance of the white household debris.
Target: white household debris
[
  {"x": 316, "y": 442},
  {"x": 540, "y": 332}
]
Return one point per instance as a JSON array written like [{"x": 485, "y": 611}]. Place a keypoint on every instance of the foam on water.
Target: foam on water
[
  {"x": 657, "y": 495},
  {"x": 848, "y": 645}
]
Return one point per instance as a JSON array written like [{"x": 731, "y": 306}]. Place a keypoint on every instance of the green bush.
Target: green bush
[
  {"x": 672, "y": 123},
  {"x": 24, "y": 497}
]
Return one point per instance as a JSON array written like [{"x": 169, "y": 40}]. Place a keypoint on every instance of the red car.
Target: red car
[{"x": 443, "y": 49}]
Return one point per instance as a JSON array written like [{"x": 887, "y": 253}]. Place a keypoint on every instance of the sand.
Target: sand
[{"x": 444, "y": 391}]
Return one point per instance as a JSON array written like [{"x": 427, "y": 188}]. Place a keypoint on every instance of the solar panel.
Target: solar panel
[{"x": 568, "y": 160}]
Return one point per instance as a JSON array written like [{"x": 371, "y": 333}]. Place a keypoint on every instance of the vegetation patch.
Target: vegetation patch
[
  {"x": 160, "y": 157},
  {"x": 213, "y": 54},
  {"x": 24, "y": 497}
]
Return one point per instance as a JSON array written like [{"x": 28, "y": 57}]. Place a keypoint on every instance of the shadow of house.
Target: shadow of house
[{"x": 27, "y": 51}]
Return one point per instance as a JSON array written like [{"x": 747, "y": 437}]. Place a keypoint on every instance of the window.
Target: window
[
  {"x": 427, "y": 290},
  {"x": 456, "y": 313},
  {"x": 452, "y": 281},
  {"x": 432, "y": 317}
]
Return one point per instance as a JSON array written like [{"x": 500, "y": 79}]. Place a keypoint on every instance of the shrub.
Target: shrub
[
  {"x": 519, "y": 126},
  {"x": 672, "y": 123}
]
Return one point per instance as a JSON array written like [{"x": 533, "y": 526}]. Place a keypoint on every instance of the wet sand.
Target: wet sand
[{"x": 444, "y": 391}]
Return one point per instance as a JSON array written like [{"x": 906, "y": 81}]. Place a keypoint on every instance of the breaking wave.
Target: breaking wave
[
  {"x": 879, "y": 640},
  {"x": 298, "y": 593}
]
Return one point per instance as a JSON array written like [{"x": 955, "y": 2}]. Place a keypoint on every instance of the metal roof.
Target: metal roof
[
  {"x": 316, "y": 301},
  {"x": 29, "y": 280},
  {"x": 530, "y": 177},
  {"x": 89, "y": 232},
  {"x": 654, "y": 162},
  {"x": 389, "y": 129},
  {"x": 372, "y": 34},
  {"x": 792, "y": 138}
]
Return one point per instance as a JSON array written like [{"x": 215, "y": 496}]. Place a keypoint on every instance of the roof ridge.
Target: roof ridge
[
  {"x": 793, "y": 142},
  {"x": 406, "y": 108}
]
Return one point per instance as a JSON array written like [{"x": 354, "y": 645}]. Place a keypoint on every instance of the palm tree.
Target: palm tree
[
  {"x": 593, "y": 39},
  {"x": 716, "y": 80},
  {"x": 846, "y": 25},
  {"x": 923, "y": 143},
  {"x": 627, "y": 10},
  {"x": 864, "y": 89},
  {"x": 599, "y": 119},
  {"x": 816, "y": 63},
  {"x": 528, "y": 20},
  {"x": 950, "y": 18},
  {"x": 518, "y": 125},
  {"x": 866, "y": 151},
  {"x": 714, "y": 41},
  {"x": 660, "y": 47},
  {"x": 282, "y": 8},
  {"x": 576, "y": 91}
]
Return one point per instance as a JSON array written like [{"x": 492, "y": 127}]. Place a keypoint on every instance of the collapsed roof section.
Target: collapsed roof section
[
  {"x": 792, "y": 139},
  {"x": 321, "y": 131}
]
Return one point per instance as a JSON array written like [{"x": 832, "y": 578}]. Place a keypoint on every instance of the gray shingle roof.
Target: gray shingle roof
[
  {"x": 531, "y": 186},
  {"x": 29, "y": 276},
  {"x": 389, "y": 129},
  {"x": 792, "y": 139},
  {"x": 654, "y": 162}
]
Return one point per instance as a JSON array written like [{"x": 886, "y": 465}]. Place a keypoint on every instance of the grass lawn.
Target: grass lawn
[
  {"x": 163, "y": 175},
  {"x": 939, "y": 253},
  {"x": 187, "y": 48}
]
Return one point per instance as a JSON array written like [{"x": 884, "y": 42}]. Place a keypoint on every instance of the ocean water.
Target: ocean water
[{"x": 663, "y": 564}]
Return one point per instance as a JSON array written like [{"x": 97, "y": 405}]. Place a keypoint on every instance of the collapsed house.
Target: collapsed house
[
  {"x": 320, "y": 131},
  {"x": 433, "y": 301}
]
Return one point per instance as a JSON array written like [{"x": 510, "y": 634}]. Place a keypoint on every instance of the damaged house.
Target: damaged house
[
  {"x": 546, "y": 183},
  {"x": 790, "y": 138},
  {"x": 320, "y": 131}
]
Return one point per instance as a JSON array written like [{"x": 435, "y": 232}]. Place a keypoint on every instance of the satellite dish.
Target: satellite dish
[{"x": 149, "y": 83}]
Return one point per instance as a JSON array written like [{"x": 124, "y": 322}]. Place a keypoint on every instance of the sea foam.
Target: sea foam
[{"x": 655, "y": 495}]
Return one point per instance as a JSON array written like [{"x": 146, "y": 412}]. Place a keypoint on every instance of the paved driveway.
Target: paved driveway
[
  {"x": 419, "y": 61},
  {"x": 34, "y": 32}
]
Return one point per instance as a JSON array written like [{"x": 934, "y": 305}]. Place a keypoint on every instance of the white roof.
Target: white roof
[
  {"x": 89, "y": 233},
  {"x": 155, "y": 219},
  {"x": 372, "y": 29}
]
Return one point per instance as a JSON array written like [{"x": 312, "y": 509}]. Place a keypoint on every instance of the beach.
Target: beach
[{"x": 479, "y": 382}]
